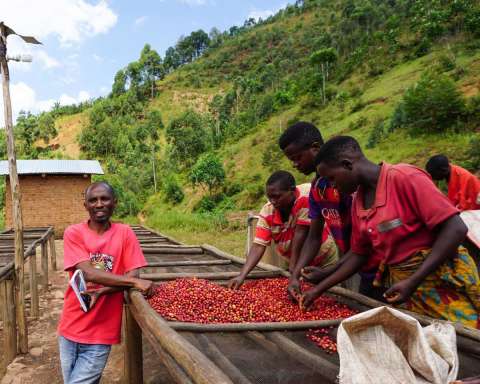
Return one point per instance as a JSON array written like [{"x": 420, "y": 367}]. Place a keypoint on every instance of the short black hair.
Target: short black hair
[
  {"x": 331, "y": 152},
  {"x": 110, "y": 189},
  {"x": 302, "y": 134},
  {"x": 284, "y": 178},
  {"x": 436, "y": 163}
]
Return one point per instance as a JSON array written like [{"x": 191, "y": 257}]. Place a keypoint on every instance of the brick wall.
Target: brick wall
[{"x": 51, "y": 200}]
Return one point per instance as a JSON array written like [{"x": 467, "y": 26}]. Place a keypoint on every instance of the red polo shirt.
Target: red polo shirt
[
  {"x": 463, "y": 189},
  {"x": 407, "y": 207}
]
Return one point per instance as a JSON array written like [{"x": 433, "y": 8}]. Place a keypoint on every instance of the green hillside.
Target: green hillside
[{"x": 401, "y": 76}]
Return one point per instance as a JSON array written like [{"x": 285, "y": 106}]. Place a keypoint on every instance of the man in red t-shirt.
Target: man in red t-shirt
[
  {"x": 463, "y": 186},
  {"x": 109, "y": 256},
  {"x": 403, "y": 226}
]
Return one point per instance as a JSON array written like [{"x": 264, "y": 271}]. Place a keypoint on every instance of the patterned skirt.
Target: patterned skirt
[{"x": 451, "y": 292}]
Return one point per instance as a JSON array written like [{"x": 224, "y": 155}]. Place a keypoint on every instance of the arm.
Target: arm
[
  {"x": 301, "y": 233},
  {"x": 111, "y": 280},
  {"x": 253, "y": 258},
  {"x": 350, "y": 265},
  {"x": 95, "y": 293},
  {"x": 450, "y": 234},
  {"x": 309, "y": 251}
]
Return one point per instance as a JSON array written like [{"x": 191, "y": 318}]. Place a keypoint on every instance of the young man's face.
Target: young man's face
[
  {"x": 302, "y": 158},
  {"x": 442, "y": 173},
  {"x": 100, "y": 204},
  {"x": 279, "y": 197},
  {"x": 341, "y": 176}
]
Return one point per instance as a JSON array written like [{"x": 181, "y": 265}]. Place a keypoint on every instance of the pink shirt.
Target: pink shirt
[
  {"x": 116, "y": 251},
  {"x": 407, "y": 208}
]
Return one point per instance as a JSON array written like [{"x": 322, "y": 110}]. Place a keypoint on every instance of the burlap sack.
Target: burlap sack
[
  {"x": 384, "y": 345},
  {"x": 472, "y": 220}
]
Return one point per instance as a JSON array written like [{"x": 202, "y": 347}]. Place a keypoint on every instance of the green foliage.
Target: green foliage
[
  {"x": 208, "y": 172},
  {"x": 376, "y": 134},
  {"x": 188, "y": 138},
  {"x": 473, "y": 154},
  {"x": 172, "y": 190},
  {"x": 433, "y": 104},
  {"x": 271, "y": 156}
]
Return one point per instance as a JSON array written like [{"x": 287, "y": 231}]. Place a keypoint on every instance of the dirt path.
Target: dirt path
[{"x": 41, "y": 365}]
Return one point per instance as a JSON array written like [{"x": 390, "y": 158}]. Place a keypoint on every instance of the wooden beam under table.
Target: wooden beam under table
[
  {"x": 44, "y": 264},
  {"x": 53, "y": 252},
  {"x": 34, "y": 299},
  {"x": 133, "y": 358},
  {"x": 7, "y": 307}
]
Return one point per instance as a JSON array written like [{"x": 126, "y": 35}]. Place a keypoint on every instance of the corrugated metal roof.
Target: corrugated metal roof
[{"x": 30, "y": 167}]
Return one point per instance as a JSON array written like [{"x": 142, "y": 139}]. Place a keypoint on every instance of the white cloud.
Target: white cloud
[
  {"x": 70, "y": 21},
  {"x": 97, "y": 58},
  {"x": 140, "y": 21},
  {"x": 47, "y": 61},
  {"x": 258, "y": 14},
  {"x": 24, "y": 98},
  {"x": 193, "y": 2}
]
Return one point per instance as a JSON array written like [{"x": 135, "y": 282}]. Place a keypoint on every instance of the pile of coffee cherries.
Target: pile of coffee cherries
[
  {"x": 322, "y": 338},
  {"x": 265, "y": 300}
]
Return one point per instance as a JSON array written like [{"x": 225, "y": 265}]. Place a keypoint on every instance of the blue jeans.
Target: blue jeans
[{"x": 82, "y": 363}]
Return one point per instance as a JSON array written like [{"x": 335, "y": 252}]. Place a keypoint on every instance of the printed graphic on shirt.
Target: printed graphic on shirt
[{"x": 102, "y": 261}]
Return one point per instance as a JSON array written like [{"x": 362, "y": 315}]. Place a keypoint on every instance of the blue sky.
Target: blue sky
[{"x": 86, "y": 41}]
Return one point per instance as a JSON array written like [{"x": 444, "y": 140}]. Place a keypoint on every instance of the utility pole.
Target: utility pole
[{"x": 15, "y": 187}]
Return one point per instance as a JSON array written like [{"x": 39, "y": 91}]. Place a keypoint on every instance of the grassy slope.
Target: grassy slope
[{"x": 243, "y": 158}]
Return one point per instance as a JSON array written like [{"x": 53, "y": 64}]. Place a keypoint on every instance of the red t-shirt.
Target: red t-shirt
[
  {"x": 463, "y": 189},
  {"x": 407, "y": 207},
  {"x": 116, "y": 251}
]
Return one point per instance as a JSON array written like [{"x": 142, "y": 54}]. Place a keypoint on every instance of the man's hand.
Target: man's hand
[
  {"x": 144, "y": 286},
  {"x": 293, "y": 289},
  {"x": 94, "y": 294},
  {"x": 400, "y": 292},
  {"x": 236, "y": 282},
  {"x": 308, "y": 298},
  {"x": 315, "y": 274}
]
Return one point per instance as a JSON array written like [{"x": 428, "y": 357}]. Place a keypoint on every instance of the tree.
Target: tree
[
  {"x": 208, "y": 172},
  {"x": 171, "y": 60},
  {"x": 325, "y": 58},
  {"x": 152, "y": 68},
  {"x": 119, "y": 83},
  {"x": 187, "y": 137},
  {"x": 46, "y": 127},
  {"x": 434, "y": 104}
]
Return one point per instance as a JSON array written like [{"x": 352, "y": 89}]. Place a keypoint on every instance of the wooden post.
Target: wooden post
[
  {"x": 34, "y": 301},
  {"x": 133, "y": 366},
  {"x": 15, "y": 191},
  {"x": 7, "y": 306},
  {"x": 44, "y": 263},
  {"x": 53, "y": 252}
]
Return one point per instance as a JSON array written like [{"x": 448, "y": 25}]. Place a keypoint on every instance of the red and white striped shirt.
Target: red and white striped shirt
[{"x": 270, "y": 226}]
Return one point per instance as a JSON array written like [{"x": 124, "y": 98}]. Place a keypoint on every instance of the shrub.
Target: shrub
[
  {"x": 376, "y": 134},
  {"x": 433, "y": 105},
  {"x": 172, "y": 190},
  {"x": 208, "y": 172}
]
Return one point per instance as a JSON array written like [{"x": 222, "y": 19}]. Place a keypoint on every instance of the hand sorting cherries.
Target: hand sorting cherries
[{"x": 263, "y": 300}]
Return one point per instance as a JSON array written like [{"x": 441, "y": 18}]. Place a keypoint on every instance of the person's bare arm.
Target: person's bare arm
[
  {"x": 299, "y": 237},
  {"x": 310, "y": 249},
  {"x": 450, "y": 235},
  {"x": 352, "y": 264},
  {"x": 253, "y": 258}
]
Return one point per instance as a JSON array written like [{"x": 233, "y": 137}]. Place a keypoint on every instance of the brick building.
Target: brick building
[{"x": 52, "y": 191}]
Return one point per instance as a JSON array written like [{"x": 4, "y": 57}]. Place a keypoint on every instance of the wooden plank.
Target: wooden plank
[
  {"x": 222, "y": 361},
  {"x": 9, "y": 322},
  {"x": 53, "y": 252},
  {"x": 325, "y": 367},
  {"x": 186, "y": 263},
  {"x": 200, "y": 369},
  {"x": 44, "y": 264},
  {"x": 34, "y": 299},
  {"x": 260, "y": 327},
  {"x": 206, "y": 275},
  {"x": 133, "y": 358},
  {"x": 172, "y": 250},
  {"x": 211, "y": 250}
]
